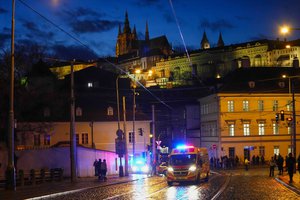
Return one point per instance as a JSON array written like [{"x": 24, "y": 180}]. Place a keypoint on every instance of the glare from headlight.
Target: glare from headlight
[
  {"x": 192, "y": 168},
  {"x": 134, "y": 168},
  {"x": 170, "y": 169},
  {"x": 145, "y": 169}
]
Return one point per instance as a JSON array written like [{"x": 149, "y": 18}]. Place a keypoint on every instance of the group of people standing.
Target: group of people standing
[
  {"x": 100, "y": 169},
  {"x": 290, "y": 163}
]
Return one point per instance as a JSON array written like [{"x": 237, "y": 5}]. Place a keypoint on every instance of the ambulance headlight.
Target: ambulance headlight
[
  {"x": 170, "y": 169},
  {"x": 192, "y": 168}
]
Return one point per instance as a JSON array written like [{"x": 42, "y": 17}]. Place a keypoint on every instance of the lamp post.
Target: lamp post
[
  {"x": 10, "y": 171},
  {"x": 293, "y": 135},
  {"x": 137, "y": 71}
]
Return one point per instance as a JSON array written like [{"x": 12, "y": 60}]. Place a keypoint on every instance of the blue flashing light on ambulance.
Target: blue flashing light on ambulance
[{"x": 188, "y": 164}]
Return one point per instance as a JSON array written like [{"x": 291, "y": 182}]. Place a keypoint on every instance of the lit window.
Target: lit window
[
  {"x": 275, "y": 129},
  {"x": 231, "y": 129},
  {"x": 289, "y": 105},
  {"x": 78, "y": 111},
  {"x": 90, "y": 84},
  {"x": 260, "y": 105},
  {"x": 230, "y": 106},
  {"x": 110, "y": 111},
  {"x": 246, "y": 127},
  {"x": 276, "y": 150},
  {"x": 245, "y": 105},
  {"x": 261, "y": 128},
  {"x": 275, "y": 105},
  {"x": 289, "y": 130}
]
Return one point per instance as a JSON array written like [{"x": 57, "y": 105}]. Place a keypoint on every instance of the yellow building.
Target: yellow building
[{"x": 240, "y": 119}]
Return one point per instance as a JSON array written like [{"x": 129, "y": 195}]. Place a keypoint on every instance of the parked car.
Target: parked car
[
  {"x": 162, "y": 168},
  {"x": 140, "y": 166}
]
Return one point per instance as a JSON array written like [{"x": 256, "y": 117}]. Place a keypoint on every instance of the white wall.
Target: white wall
[{"x": 59, "y": 157}]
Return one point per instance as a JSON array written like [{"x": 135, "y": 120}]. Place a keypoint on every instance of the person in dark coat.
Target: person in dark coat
[
  {"x": 96, "y": 167},
  {"x": 103, "y": 170},
  {"x": 272, "y": 167},
  {"x": 280, "y": 161},
  {"x": 99, "y": 169},
  {"x": 291, "y": 163}
]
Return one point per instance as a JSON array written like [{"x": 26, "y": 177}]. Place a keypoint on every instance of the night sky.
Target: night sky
[{"x": 95, "y": 22}]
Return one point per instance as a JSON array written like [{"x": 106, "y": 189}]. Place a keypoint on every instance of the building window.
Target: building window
[
  {"x": 110, "y": 111},
  {"x": 276, "y": 150},
  {"x": 261, "y": 128},
  {"x": 260, "y": 105},
  {"x": 46, "y": 139},
  {"x": 275, "y": 105},
  {"x": 245, "y": 105},
  {"x": 131, "y": 137},
  {"x": 275, "y": 129},
  {"x": 36, "y": 140},
  {"x": 289, "y": 149},
  {"x": 84, "y": 138},
  {"x": 231, "y": 129},
  {"x": 78, "y": 112},
  {"x": 231, "y": 152},
  {"x": 289, "y": 130},
  {"x": 230, "y": 106},
  {"x": 262, "y": 150},
  {"x": 246, "y": 127},
  {"x": 289, "y": 105},
  {"x": 77, "y": 138},
  {"x": 90, "y": 84}
]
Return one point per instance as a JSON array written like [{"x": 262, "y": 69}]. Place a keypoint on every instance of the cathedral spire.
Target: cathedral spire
[
  {"x": 126, "y": 24},
  {"x": 220, "y": 41},
  {"x": 204, "y": 42},
  {"x": 147, "y": 32},
  {"x": 134, "y": 33}
]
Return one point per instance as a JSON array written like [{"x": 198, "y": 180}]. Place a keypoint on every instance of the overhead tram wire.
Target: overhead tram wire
[
  {"x": 87, "y": 47},
  {"x": 182, "y": 38}
]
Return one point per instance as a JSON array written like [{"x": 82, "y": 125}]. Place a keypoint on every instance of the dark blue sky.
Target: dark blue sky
[{"x": 95, "y": 22}]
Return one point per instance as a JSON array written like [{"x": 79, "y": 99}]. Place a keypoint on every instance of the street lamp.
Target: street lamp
[
  {"x": 293, "y": 135},
  {"x": 287, "y": 29}
]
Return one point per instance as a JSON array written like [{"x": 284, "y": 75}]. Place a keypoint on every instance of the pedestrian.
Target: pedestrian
[
  {"x": 262, "y": 160},
  {"x": 99, "y": 169},
  {"x": 96, "y": 167},
  {"x": 104, "y": 170},
  {"x": 246, "y": 164},
  {"x": 291, "y": 163},
  {"x": 272, "y": 167},
  {"x": 257, "y": 160},
  {"x": 280, "y": 161}
]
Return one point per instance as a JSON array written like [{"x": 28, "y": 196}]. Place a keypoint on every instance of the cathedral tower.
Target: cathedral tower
[{"x": 204, "y": 42}]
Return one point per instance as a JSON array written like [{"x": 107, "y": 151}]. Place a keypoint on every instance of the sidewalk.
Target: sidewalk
[
  {"x": 284, "y": 179},
  {"x": 52, "y": 189}
]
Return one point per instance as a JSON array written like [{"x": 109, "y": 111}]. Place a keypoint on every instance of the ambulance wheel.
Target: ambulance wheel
[{"x": 170, "y": 183}]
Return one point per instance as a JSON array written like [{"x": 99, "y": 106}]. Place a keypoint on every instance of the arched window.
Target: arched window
[{"x": 110, "y": 111}]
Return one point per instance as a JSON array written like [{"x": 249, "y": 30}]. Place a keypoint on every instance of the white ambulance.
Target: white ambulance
[{"x": 188, "y": 164}]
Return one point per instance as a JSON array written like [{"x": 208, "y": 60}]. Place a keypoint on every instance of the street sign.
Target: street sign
[{"x": 158, "y": 142}]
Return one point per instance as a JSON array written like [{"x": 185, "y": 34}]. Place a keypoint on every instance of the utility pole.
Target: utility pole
[
  {"x": 294, "y": 119},
  {"x": 10, "y": 171},
  {"x": 153, "y": 136},
  {"x": 133, "y": 122},
  {"x": 125, "y": 137},
  {"x": 73, "y": 152}
]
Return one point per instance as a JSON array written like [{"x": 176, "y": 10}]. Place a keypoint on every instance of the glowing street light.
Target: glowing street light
[{"x": 286, "y": 29}]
